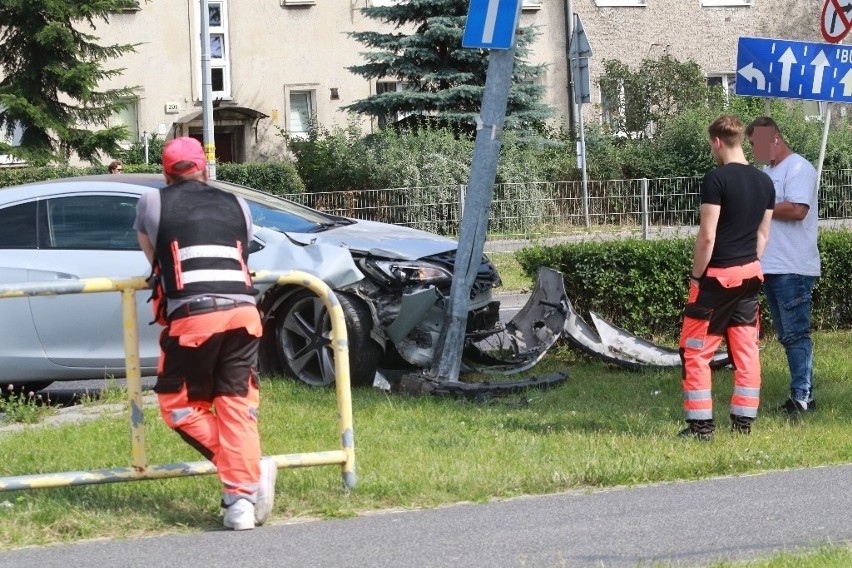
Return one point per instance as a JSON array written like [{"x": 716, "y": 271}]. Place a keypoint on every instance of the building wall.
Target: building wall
[{"x": 275, "y": 48}]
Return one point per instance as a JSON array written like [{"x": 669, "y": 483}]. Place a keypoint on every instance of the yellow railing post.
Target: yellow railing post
[{"x": 140, "y": 469}]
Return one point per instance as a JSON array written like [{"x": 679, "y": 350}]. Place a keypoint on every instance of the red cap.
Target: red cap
[{"x": 183, "y": 149}]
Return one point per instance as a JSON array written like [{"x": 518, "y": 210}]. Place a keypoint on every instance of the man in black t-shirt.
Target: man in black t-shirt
[{"x": 737, "y": 201}]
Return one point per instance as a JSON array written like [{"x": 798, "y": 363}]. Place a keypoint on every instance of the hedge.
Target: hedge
[
  {"x": 642, "y": 285},
  {"x": 277, "y": 178}
]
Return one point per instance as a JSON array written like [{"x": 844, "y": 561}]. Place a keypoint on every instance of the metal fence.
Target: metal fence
[{"x": 541, "y": 211}]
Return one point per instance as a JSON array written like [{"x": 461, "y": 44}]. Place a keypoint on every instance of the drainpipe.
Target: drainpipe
[{"x": 569, "y": 31}]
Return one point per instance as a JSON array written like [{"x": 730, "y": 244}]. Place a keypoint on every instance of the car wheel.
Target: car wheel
[{"x": 303, "y": 340}]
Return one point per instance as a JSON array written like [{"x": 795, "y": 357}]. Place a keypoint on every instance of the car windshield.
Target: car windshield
[{"x": 279, "y": 214}]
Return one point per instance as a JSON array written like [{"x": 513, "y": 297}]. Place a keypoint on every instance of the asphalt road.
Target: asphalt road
[{"x": 678, "y": 524}]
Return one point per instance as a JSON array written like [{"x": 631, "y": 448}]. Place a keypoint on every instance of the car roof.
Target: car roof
[{"x": 131, "y": 183}]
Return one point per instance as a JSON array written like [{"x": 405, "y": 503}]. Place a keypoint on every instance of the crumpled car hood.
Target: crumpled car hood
[{"x": 398, "y": 242}]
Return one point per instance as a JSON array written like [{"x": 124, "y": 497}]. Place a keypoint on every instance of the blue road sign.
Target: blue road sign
[
  {"x": 794, "y": 69},
  {"x": 491, "y": 24}
]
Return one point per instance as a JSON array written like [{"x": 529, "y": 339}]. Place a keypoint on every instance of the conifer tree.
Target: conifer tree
[
  {"x": 441, "y": 78},
  {"x": 50, "y": 71}
]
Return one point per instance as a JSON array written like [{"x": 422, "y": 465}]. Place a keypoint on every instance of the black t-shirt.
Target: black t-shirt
[{"x": 744, "y": 194}]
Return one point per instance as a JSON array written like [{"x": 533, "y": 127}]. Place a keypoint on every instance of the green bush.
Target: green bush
[
  {"x": 642, "y": 285},
  {"x": 271, "y": 177},
  {"x": 277, "y": 178}
]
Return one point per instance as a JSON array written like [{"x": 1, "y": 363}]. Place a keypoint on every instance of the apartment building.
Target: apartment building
[{"x": 276, "y": 63}]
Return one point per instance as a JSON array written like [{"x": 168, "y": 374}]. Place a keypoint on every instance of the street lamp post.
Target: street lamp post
[{"x": 207, "y": 92}]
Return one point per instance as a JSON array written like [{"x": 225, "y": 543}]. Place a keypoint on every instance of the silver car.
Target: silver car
[{"x": 83, "y": 227}]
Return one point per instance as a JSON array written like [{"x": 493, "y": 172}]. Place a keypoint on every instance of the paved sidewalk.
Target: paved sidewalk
[{"x": 673, "y": 524}]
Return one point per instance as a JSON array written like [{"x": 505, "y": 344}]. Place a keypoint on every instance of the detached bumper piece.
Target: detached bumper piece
[
  {"x": 620, "y": 347},
  {"x": 525, "y": 339},
  {"x": 419, "y": 384}
]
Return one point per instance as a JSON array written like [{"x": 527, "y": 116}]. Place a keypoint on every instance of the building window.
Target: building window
[
  {"x": 128, "y": 117},
  {"x": 813, "y": 110},
  {"x": 12, "y": 140},
  {"x": 603, "y": 3},
  {"x": 723, "y": 83},
  {"x": 392, "y": 87},
  {"x": 219, "y": 45},
  {"x": 302, "y": 113},
  {"x": 613, "y": 110},
  {"x": 724, "y": 3}
]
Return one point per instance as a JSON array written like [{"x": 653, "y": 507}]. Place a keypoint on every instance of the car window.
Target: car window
[
  {"x": 275, "y": 213},
  {"x": 102, "y": 222},
  {"x": 18, "y": 227}
]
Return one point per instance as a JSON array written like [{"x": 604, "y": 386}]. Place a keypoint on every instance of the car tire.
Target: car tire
[{"x": 303, "y": 340}]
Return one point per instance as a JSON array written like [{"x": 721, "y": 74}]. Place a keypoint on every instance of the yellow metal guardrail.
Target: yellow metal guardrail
[{"x": 139, "y": 468}]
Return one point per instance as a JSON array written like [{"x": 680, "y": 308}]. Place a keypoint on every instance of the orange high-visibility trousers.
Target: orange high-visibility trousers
[
  {"x": 723, "y": 304},
  {"x": 208, "y": 393}
]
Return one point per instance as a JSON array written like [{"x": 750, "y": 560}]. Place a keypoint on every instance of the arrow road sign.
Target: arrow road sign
[
  {"x": 491, "y": 24},
  {"x": 794, "y": 69}
]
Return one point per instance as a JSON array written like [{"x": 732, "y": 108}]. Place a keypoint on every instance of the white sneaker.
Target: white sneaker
[
  {"x": 265, "y": 490},
  {"x": 240, "y": 515}
]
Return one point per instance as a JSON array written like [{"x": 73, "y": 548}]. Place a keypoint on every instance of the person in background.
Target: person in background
[
  {"x": 196, "y": 238},
  {"x": 791, "y": 262},
  {"x": 115, "y": 167},
  {"x": 736, "y": 209}
]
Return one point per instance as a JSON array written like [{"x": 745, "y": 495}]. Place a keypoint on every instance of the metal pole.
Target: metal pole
[
  {"x": 583, "y": 165},
  {"x": 569, "y": 32},
  {"x": 474, "y": 225},
  {"x": 145, "y": 144},
  {"x": 207, "y": 92},
  {"x": 824, "y": 142},
  {"x": 644, "y": 207}
]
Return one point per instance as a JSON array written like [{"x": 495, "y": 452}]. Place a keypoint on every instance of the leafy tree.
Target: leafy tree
[
  {"x": 50, "y": 75},
  {"x": 642, "y": 100},
  {"x": 443, "y": 79}
]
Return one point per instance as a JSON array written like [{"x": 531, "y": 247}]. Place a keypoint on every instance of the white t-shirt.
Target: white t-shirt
[{"x": 792, "y": 246}]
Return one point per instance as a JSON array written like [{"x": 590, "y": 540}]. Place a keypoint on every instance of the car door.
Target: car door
[
  {"x": 21, "y": 353},
  {"x": 86, "y": 236}
]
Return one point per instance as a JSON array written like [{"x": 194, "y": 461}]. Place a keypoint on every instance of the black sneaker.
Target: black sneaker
[
  {"x": 741, "y": 424},
  {"x": 699, "y": 429},
  {"x": 795, "y": 406}
]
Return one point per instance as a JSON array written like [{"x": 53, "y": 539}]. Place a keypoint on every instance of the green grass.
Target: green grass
[
  {"x": 514, "y": 279},
  {"x": 604, "y": 427}
]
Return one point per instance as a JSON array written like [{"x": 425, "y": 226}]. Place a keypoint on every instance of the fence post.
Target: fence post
[
  {"x": 462, "y": 188},
  {"x": 643, "y": 184}
]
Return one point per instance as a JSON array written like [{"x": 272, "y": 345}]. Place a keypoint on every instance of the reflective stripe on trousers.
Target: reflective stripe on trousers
[{"x": 722, "y": 304}]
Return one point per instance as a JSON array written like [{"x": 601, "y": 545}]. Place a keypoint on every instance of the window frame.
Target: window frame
[
  {"x": 310, "y": 92},
  {"x": 621, "y": 3},
  {"x": 133, "y": 135},
  {"x": 216, "y": 64},
  {"x": 726, "y": 3}
]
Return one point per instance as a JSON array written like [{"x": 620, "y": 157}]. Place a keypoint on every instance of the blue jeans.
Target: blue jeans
[{"x": 789, "y": 299}]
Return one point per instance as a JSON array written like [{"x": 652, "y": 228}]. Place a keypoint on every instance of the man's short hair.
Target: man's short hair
[
  {"x": 760, "y": 122},
  {"x": 729, "y": 129}
]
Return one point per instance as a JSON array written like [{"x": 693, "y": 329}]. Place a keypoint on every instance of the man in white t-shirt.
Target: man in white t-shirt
[{"x": 791, "y": 261}]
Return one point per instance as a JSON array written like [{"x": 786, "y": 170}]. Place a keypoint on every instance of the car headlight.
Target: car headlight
[{"x": 410, "y": 272}]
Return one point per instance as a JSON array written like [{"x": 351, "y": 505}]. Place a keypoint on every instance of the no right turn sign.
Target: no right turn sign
[{"x": 836, "y": 20}]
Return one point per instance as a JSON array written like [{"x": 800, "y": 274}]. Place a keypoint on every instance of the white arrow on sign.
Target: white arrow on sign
[
  {"x": 752, "y": 74},
  {"x": 847, "y": 83},
  {"x": 490, "y": 21},
  {"x": 820, "y": 62},
  {"x": 787, "y": 60}
]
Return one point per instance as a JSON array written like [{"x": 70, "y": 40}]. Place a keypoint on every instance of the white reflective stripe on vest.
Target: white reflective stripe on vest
[
  {"x": 193, "y": 276},
  {"x": 210, "y": 251}
]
